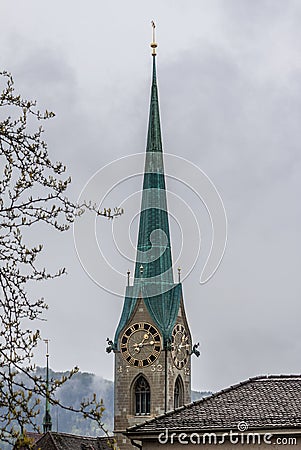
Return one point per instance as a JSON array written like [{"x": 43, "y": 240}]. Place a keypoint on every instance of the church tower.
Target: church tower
[{"x": 152, "y": 344}]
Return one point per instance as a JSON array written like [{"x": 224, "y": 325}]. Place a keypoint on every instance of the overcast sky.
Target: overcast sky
[{"x": 230, "y": 96}]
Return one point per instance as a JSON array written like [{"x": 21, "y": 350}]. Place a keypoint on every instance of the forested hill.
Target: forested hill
[{"x": 83, "y": 385}]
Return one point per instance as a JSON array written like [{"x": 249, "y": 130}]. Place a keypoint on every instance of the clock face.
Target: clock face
[
  {"x": 140, "y": 344},
  {"x": 180, "y": 346}
]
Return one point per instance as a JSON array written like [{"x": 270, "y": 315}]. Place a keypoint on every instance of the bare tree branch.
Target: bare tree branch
[{"x": 32, "y": 190}]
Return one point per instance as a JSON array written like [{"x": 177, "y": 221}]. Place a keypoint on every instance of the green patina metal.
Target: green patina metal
[
  {"x": 153, "y": 279},
  {"x": 163, "y": 308},
  {"x": 47, "y": 422}
]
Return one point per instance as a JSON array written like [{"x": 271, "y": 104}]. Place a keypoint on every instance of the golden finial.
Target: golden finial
[{"x": 153, "y": 44}]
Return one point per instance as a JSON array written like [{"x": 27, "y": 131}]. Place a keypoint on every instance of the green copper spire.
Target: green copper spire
[
  {"x": 47, "y": 422},
  {"x": 154, "y": 142},
  {"x": 153, "y": 269},
  {"x": 154, "y": 262}
]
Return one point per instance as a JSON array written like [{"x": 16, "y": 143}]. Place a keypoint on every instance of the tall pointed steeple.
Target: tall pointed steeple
[
  {"x": 152, "y": 344},
  {"x": 47, "y": 422},
  {"x": 154, "y": 260},
  {"x": 153, "y": 280}
]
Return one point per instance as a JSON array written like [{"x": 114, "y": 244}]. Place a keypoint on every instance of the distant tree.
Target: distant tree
[{"x": 32, "y": 191}]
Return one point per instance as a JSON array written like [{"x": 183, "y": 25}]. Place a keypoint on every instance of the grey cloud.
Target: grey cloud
[{"x": 230, "y": 102}]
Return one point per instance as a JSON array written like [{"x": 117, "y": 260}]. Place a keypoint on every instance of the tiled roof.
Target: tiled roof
[
  {"x": 263, "y": 402},
  {"x": 64, "y": 441}
]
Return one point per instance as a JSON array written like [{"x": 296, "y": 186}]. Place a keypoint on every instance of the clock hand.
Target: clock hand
[
  {"x": 147, "y": 343},
  {"x": 137, "y": 346},
  {"x": 183, "y": 345},
  {"x": 146, "y": 336}
]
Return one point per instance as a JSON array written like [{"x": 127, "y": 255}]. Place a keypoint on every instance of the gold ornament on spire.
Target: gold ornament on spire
[{"x": 154, "y": 44}]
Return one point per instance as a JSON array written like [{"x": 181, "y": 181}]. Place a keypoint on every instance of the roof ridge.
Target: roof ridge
[
  {"x": 74, "y": 435},
  {"x": 51, "y": 437},
  {"x": 275, "y": 376}
]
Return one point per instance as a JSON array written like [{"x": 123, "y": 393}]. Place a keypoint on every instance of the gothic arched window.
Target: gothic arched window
[
  {"x": 178, "y": 393},
  {"x": 142, "y": 396}
]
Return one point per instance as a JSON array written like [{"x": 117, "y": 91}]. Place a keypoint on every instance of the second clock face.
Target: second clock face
[
  {"x": 140, "y": 344},
  {"x": 180, "y": 346}
]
